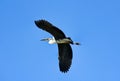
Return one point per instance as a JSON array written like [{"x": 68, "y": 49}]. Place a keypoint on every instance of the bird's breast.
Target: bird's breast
[{"x": 61, "y": 41}]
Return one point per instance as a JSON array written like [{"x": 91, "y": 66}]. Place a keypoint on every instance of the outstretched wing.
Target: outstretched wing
[
  {"x": 65, "y": 57},
  {"x": 45, "y": 25},
  {"x": 65, "y": 50}
]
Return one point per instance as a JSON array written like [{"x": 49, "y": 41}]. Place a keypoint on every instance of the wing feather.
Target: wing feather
[
  {"x": 65, "y": 50},
  {"x": 47, "y": 26},
  {"x": 65, "y": 57}
]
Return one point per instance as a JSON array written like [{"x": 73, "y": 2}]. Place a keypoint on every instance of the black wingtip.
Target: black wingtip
[
  {"x": 37, "y": 22},
  {"x": 42, "y": 22},
  {"x": 64, "y": 66}
]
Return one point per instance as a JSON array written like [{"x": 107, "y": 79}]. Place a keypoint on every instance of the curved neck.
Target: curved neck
[{"x": 52, "y": 41}]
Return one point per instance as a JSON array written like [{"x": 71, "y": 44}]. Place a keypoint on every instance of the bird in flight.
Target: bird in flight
[{"x": 65, "y": 53}]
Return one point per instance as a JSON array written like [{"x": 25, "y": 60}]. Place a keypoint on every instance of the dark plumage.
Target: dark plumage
[{"x": 65, "y": 50}]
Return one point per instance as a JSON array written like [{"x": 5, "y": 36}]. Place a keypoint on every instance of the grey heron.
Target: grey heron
[{"x": 63, "y": 42}]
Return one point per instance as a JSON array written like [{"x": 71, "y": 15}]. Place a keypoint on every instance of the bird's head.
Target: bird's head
[{"x": 49, "y": 40}]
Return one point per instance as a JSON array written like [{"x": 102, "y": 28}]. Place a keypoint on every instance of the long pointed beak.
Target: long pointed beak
[{"x": 45, "y": 39}]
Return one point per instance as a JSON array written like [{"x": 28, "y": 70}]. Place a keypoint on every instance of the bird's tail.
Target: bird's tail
[{"x": 76, "y": 43}]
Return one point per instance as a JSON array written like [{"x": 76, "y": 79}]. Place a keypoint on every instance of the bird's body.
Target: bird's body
[
  {"x": 63, "y": 42},
  {"x": 60, "y": 41}
]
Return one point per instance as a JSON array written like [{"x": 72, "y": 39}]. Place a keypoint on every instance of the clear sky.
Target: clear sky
[{"x": 93, "y": 23}]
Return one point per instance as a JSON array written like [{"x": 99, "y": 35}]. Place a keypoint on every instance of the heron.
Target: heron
[{"x": 65, "y": 53}]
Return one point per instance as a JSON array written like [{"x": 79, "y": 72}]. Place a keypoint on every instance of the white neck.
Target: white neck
[{"x": 52, "y": 41}]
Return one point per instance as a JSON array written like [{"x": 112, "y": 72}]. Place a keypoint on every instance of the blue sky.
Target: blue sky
[{"x": 93, "y": 23}]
